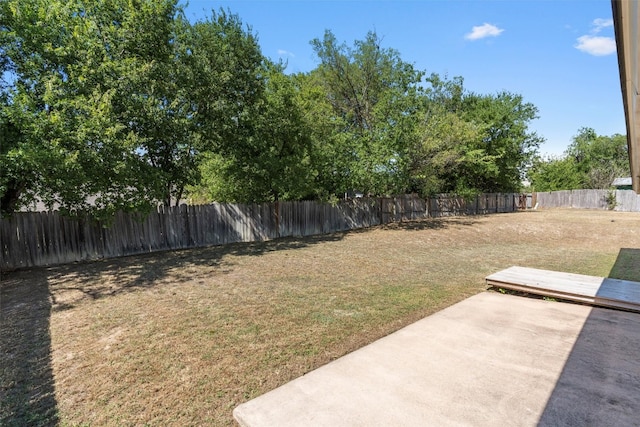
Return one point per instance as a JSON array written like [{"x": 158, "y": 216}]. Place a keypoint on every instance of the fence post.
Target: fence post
[{"x": 276, "y": 211}]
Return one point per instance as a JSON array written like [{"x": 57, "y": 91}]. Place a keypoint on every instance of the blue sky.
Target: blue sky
[{"x": 559, "y": 55}]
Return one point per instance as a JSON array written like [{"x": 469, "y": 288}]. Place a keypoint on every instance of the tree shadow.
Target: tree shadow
[
  {"x": 600, "y": 381},
  {"x": 439, "y": 223},
  {"x": 27, "y": 395},
  {"x": 29, "y": 296},
  {"x": 70, "y": 284}
]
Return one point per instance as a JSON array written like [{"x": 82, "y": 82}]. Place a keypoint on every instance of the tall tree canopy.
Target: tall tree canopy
[
  {"x": 115, "y": 100},
  {"x": 74, "y": 66},
  {"x": 590, "y": 161},
  {"x": 472, "y": 143},
  {"x": 121, "y": 104},
  {"x": 269, "y": 161},
  {"x": 375, "y": 98}
]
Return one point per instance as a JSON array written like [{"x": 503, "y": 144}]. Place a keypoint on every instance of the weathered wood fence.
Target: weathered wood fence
[
  {"x": 448, "y": 205},
  {"x": 47, "y": 238},
  {"x": 619, "y": 200}
]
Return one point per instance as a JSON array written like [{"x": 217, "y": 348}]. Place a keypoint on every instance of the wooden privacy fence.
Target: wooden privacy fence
[
  {"x": 580, "y": 199},
  {"x": 619, "y": 200},
  {"x": 627, "y": 201},
  {"x": 448, "y": 205},
  {"x": 30, "y": 239}
]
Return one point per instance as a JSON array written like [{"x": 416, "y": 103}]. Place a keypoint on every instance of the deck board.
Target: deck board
[{"x": 593, "y": 290}]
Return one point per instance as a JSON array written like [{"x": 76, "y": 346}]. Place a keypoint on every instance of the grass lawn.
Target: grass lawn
[{"x": 181, "y": 338}]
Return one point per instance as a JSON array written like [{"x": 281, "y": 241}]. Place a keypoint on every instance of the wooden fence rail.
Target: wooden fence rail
[{"x": 30, "y": 239}]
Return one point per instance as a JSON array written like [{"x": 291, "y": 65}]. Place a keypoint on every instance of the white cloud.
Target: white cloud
[
  {"x": 596, "y": 46},
  {"x": 483, "y": 31},
  {"x": 283, "y": 52},
  {"x": 599, "y": 24}
]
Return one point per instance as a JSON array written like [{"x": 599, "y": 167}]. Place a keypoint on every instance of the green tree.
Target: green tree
[
  {"x": 15, "y": 170},
  {"x": 506, "y": 139},
  {"x": 472, "y": 143},
  {"x": 444, "y": 154},
  {"x": 375, "y": 100},
  {"x": 199, "y": 100},
  {"x": 269, "y": 161},
  {"x": 555, "y": 173},
  {"x": 599, "y": 159},
  {"x": 332, "y": 156},
  {"x": 590, "y": 161},
  {"x": 73, "y": 66},
  {"x": 117, "y": 100}
]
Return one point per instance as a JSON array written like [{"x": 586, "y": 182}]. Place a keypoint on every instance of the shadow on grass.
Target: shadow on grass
[
  {"x": 430, "y": 224},
  {"x": 28, "y": 297},
  {"x": 627, "y": 265},
  {"x": 26, "y": 379},
  {"x": 109, "y": 277},
  {"x": 113, "y": 276},
  {"x": 600, "y": 380}
]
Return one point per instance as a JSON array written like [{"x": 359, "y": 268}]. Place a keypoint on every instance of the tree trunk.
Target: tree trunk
[
  {"x": 11, "y": 197},
  {"x": 179, "y": 195}
]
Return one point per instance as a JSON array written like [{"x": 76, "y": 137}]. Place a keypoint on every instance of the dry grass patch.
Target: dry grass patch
[{"x": 181, "y": 338}]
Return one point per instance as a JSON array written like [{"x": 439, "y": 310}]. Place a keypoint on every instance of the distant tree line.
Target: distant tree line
[
  {"x": 130, "y": 103},
  {"x": 590, "y": 161}
]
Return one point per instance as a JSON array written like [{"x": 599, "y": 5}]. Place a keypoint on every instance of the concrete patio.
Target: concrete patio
[{"x": 490, "y": 360}]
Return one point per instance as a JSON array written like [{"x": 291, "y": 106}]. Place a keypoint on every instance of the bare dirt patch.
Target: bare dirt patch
[{"x": 181, "y": 338}]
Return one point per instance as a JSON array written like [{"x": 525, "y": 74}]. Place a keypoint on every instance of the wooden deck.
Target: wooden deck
[{"x": 600, "y": 291}]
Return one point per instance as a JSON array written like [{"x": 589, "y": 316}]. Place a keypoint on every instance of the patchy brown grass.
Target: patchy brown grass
[{"x": 181, "y": 338}]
